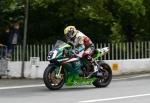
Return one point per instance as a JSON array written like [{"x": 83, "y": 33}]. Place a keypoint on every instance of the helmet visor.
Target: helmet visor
[{"x": 70, "y": 34}]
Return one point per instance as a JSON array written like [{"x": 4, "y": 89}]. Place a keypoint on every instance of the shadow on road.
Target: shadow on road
[{"x": 73, "y": 88}]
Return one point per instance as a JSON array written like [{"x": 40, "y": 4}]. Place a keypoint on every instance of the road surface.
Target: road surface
[{"x": 133, "y": 89}]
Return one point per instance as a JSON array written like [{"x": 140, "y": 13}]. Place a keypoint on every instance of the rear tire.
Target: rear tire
[
  {"x": 49, "y": 82},
  {"x": 105, "y": 81}
]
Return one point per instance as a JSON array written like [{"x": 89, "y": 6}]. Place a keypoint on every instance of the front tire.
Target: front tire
[
  {"x": 107, "y": 76},
  {"x": 51, "y": 81}
]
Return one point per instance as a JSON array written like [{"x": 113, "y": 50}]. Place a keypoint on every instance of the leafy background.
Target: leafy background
[{"x": 102, "y": 20}]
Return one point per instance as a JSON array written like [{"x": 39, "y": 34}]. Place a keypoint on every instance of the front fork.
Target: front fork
[{"x": 58, "y": 75}]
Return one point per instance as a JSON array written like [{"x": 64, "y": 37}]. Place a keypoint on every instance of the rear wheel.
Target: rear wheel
[
  {"x": 107, "y": 76},
  {"x": 51, "y": 80}
]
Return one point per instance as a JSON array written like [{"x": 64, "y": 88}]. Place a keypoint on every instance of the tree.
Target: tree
[
  {"x": 126, "y": 13},
  {"x": 102, "y": 20}
]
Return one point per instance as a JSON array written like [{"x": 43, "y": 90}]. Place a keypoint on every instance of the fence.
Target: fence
[
  {"x": 3, "y": 61},
  {"x": 128, "y": 50}
]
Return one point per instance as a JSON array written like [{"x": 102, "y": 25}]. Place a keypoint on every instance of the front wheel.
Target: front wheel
[
  {"x": 107, "y": 76},
  {"x": 51, "y": 78}
]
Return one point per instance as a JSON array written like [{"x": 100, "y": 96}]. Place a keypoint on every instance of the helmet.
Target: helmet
[{"x": 69, "y": 32}]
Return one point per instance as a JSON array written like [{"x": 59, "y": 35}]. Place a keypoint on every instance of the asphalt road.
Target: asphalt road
[{"x": 135, "y": 89}]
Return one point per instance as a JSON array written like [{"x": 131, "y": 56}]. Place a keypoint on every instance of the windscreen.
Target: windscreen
[{"x": 59, "y": 44}]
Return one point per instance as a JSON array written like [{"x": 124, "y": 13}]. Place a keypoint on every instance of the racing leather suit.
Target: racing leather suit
[{"x": 82, "y": 44}]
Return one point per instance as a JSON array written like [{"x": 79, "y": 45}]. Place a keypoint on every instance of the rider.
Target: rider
[{"x": 82, "y": 43}]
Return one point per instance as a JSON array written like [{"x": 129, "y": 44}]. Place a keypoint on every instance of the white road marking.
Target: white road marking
[
  {"x": 24, "y": 86},
  {"x": 132, "y": 77},
  {"x": 115, "y": 98},
  {"x": 40, "y": 85}
]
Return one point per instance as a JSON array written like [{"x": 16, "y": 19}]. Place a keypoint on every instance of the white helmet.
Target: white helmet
[{"x": 70, "y": 31}]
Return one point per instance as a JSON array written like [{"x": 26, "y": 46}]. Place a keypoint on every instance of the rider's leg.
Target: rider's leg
[{"x": 87, "y": 55}]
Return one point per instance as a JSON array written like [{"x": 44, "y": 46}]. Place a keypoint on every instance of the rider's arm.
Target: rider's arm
[
  {"x": 80, "y": 48},
  {"x": 80, "y": 44}
]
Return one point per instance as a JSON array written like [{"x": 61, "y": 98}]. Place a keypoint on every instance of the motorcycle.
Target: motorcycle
[{"x": 67, "y": 67}]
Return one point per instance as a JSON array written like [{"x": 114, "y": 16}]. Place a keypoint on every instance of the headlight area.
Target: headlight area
[{"x": 50, "y": 55}]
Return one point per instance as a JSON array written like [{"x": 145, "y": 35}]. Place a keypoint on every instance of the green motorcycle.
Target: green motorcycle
[{"x": 68, "y": 68}]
